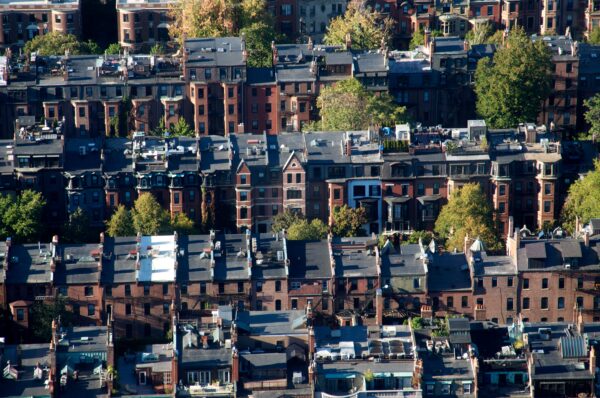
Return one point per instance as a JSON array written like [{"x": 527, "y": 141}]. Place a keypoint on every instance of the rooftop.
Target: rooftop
[{"x": 157, "y": 257}]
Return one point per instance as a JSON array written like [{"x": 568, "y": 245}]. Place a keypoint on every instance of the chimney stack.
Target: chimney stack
[
  {"x": 586, "y": 239},
  {"x": 275, "y": 53},
  {"x": 348, "y": 41},
  {"x": 235, "y": 366},
  {"x": 379, "y": 307}
]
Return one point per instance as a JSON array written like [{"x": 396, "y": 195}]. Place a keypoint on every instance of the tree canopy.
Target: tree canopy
[
  {"x": 365, "y": 27},
  {"x": 467, "y": 212},
  {"x": 182, "y": 224},
  {"x": 592, "y": 115},
  {"x": 57, "y": 43},
  {"x": 120, "y": 223},
  {"x": 347, "y": 105},
  {"x": 43, "y": 314},
  {"x": 305, "y": 230},
  {"x": 113, "y": 49},
  {"x": 510, "y": 89},
  {"x": 149, "y": 218},
  {"x": 21, "y": 216},
  {"x": 594, "y": 36},
  {"x": 182, "y": 129},
  {"x": 219, "y": 18},
  {"x": 418, "y": 38},
  {"x": 285, "y": 219},
  {"x": 481, "y": 33},
  {"x": 583, "y": 200},
  {"x": 77, "y": 228},
  {"x": 348, "y": 221}
]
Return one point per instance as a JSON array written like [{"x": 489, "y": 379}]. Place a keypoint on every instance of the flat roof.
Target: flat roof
[{"x": 157, "y": 258}]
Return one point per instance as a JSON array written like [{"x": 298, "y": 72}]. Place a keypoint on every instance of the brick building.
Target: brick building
[
  {"x": 143, "y": 23},
  {"x": 22, "y": 22}
]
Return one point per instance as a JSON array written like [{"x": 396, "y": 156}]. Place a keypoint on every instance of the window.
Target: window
[
  {"x": 561, "y": 283},
  {"x": 464, "y": 301},
  {"x": 416, "y": 283},
  {"x": 184, "y": 289},
  {"x": 89, "y": 291},
  {"x": 547, "y": 206},
  {"x": 560, "y": 303},
  {"x": 259, "y": 287},
  {"x": 286, "y": 10},
  {"x": 547, "y": 189},
  {"x": 91, "y": 309},
  {"x": 146, "y": 290},
  {"x": 127, "y": 309},
  {"x": 525, "y": 303},
  {"x": 277, "y": 286},
  {"x": 108, "y": 291},
  {"x": 240, "y": 287},
  {"x": 20, "y": 314},
  {"x": 525, "y": 283},
  {"x": 494, "y": 281},
  {"x": 127, "y": 290},
  {"x": 146, "y": 308},
  {"x": 165, "y": 308},
  {"x": 545, "y": 283},
  {"x": 277, "y": 305},
  {"x": 294, "y": 304},
  {"x": 450, "y": 302},
  {"x": 165, "y": 289},
  {"x": 544, "y": 303},
  {"x": 509, "y": 304},
  {"x": 295, "y": 285},
  {"x": 579, "y": 302},
  {"x": 509, "y": 281},
  {"x": 502, "y": 190},
  {"x": 580, "y": 282}
]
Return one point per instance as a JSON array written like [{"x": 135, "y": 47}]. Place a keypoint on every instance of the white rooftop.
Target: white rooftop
[{"x": 157, "y": 258}]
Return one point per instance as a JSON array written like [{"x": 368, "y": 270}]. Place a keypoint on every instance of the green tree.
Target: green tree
[
  {"x": 418, "y": 38},
  {"x": 56, "y": 43},
  {"x": 157, "y": 49},
  {"x": 480, "y": 33},
  {"x": 114, "y": 49},
  {"x": 594, "y": 36},
  {"x": 182, "y": 129},
  {"x": 285, "y": 219},
  {"x": 365, "y": 27},
  {"x": 510, "y": 90},
  {"x": 77, "y": 228},
  {"x": 467, "y": 212},
  {"x": 183, "y": 224},
  {"x": 22, "y": 215},
  {"x": 592, "y": 115},
  {"x": 348, "y": 221},
  {"x": 125, "y": 117},
  {"x": 120, "y": 223},
  {"x": 347, "y": 105},
  {"x": 219, "y": 18},
  {"x": 149, "y": 218},
  {"x": 424, "y": 236},
  {"x": 583, "y": 200},
  {"x": 41, "y": 317},
  {"x": 305, "y": 230}
]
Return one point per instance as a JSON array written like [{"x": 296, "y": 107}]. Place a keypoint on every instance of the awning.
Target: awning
[
  {"x": 402, "y": 199},
  {"x": 428, "y": 198},
  {"x": 340, "y": 376}
]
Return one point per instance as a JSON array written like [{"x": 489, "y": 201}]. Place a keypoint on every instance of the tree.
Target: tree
[
  {"x": 583, "y": 200},
  {"x": 424, "y": 236},
  {"x": 467, "y": 213},
  {"x": 418, "y": 38},
  {"x": 304, "y": 230},
  {"x": 21, "y": 216},
  {"x": 57, "y": 43},
  {"x": 594, "y": 36},
  {"x": 113, "y": 49},
  {"x": 77, "y": 228},
  {"x": 43, "y": 314},
  {"x": 284, "y": 220},
  {"x": 149, "y": 218},
  {"x": 157, "y": 49},
  {"x": 592, "y": 115},
  {"x": 182, "y": 224},
  {"x": 348, "y": 221},
  {"x": 347, "y": 105},
  {"x": 120, "y": 223},
  {"x": 219, "y": 18},
  {"x": 510, "y": 90},
  {"x": 480, "y": 33},
  {"x": 182, "y": 129},
  {"x": 365, "y": 27}
]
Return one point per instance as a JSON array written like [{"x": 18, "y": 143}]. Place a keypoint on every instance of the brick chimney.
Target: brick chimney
[
  {"x": 348, "y": 41},
  {"x": 275, "y": 53},
  {"x": 379, "y": 307},
  {"x": 311, "y": 342},
  {"x": 235, "y": 366},
  {"x": 480, "y": 312},
  {"x": 426, "y": 311},
  {"x": 466, "y": 245},
  {"x": 312, "y": 373},
  {"x": 593, "y": 361},
  {"x": 586, "y": 239}
]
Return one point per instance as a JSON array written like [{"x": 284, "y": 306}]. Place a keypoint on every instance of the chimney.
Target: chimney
[
  {"x": 311, "y": 342},
  {"x": 348, "y": 146},
  {"x": 586, "y": 239},
  {"x": 245, "y": 55},
  {"x": 310, "y": 44},
  {"x": 312, "y": 373},
  {"x": 379, "y": 307},
  {"x": 101, "y": 238},
  {"x": 309, "y": 311},
  {"x": 593, "y": 361},
  {"x": 426, "y": 311},
  {"x": 465, "y": 45},
  {"x": 205, "y": 341},
  {"x": 174, "y": 369},
  {"x": 577, "y": 226},
  {"x": 580, "y": 323},
  {"x": 466, "y": 246},
  {"x": 235, "y": 366},
  {"x": 54, "y": 245},
  {"x": 511, "y": 225},
  {"x": 480, "y": 312},
  {"x": 348, "y": 41},
  {"x": 275, "y": 53}
]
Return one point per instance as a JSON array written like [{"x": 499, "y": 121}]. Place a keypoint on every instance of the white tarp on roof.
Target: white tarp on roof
[{"x": 157, "y": 258}]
